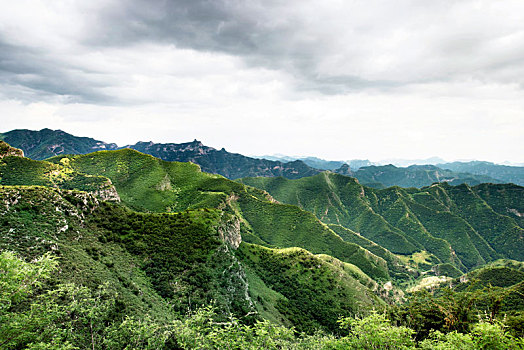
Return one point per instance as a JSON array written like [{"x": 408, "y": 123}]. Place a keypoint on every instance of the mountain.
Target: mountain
[
  {"x": 319, "y": 163},
  {"x": 356, "y": 164},
  {"x": 399, "y": 162},
  {"x": 47, "y": 143},
  {"x": 230, "y": 165},
  {"x": 441, "y": 224},
  {"x": 505, "y": 173},
  {"x": 412, "y": 176}
]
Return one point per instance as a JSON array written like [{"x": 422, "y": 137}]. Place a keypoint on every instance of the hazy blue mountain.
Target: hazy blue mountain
[
  {"x": 505, "y": 173},
  {"x": 400, "y": 162},
  {"x": 356, "y": 164},
  {"x": 413, "y": 176},
  {"x": 320, "y": 163}
]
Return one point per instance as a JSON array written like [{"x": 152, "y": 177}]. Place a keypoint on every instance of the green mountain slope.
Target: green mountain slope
[
  {"x": 150, "y": 260},
  {"x": 148, "y": 183},
  {"x": 306, "y": 284},
  {"x": 163, "y": 264},
  {"x": 189, "y": 257},
  {"x": 17, "y": 170},
  {"x": 453, "y": 223}
]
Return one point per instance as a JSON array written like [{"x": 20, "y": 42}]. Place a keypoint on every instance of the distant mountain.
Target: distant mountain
[
  {"x": 399, "y": 162},
  {"x": 47, "y": 143},
  {"x": 413, "y": 176},
  {"x": 319, "y": 163},
  {"x": 505, "y": 173},
  {"x": 322, "y": 164},
  {"x": 313, "y": 162}
]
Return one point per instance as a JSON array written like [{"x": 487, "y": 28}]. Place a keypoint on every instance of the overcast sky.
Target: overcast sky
[{"x": 333, "y": 79}]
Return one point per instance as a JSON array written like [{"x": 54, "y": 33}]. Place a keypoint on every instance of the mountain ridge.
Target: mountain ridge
[{"x": 47, "y": 143}]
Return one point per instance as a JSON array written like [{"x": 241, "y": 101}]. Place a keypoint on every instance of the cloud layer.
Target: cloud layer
[{"x": 402, "y": 72}]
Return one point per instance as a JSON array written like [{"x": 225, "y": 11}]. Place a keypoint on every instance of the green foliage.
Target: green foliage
[
  {"x": 376, "y": 332},
  {"x": 65, "y": 316},
  {"x": 16, "y": 171},
  {"x": 306, "y": 283},
  {"x": 18, "y": 278}
]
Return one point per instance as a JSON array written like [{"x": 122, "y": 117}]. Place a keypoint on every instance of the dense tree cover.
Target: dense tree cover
[{"x": 37, "y": 315}]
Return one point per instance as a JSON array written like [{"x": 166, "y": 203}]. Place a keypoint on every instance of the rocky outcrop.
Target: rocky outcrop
[
  {"x": 6, "y": 150},
  {"x": 229, "y": 231},
  {"x": 107, "y": 192}
]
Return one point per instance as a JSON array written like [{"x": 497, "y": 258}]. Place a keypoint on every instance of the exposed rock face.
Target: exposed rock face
[
  {"x": 229, "y": 231},
  {"x": 107, "y": 192},
  {"x": 6, "y": 150}
]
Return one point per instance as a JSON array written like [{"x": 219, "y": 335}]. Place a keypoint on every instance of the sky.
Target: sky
[{"x": 334, "y": 79}]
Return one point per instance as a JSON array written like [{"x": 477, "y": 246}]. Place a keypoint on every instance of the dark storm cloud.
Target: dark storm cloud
[
  {"x": 311, "y": 45},
  {"x": 26, "y": 72},
  {"x": 332, "y": 47},
  {"x": 253, "y": 30}
]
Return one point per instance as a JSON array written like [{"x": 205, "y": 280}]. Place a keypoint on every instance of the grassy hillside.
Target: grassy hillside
[
  {"x": 164, "y": 264},
  {"x": 16, "y": 170},
  {"x": 453, "y": 223},
  {"x": 150, "y": 260}
]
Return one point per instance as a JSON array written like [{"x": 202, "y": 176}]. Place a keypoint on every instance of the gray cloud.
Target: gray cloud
[
  {"x": 28, "y": 72},
  {"x": 336, "y": 51},
  {"x": 328, "y": 47}
]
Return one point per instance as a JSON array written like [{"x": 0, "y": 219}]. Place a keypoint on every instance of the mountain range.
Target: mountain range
[{"x": 47, "y": 143}]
